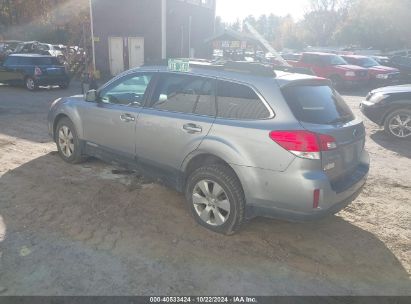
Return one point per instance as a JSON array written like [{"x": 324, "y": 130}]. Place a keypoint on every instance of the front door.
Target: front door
[
  {"x": 179, "y": 117},
  {"x": 109, "y": 125},
  {"x": 116, "y": 54},
  {"x": 135, "y": 51}
]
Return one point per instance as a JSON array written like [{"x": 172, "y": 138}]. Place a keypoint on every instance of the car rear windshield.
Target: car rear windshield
[
  {"x": 317, "y": 104},
  {"x": 45, "y": 61}
]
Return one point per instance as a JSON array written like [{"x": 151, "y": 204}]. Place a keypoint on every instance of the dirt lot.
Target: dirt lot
[{"x": 84, "y": 230}]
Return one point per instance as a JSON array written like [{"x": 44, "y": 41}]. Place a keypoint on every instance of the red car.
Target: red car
[
  {"x": 379, "y": 74},
  {"x": 333, "y": 67}
]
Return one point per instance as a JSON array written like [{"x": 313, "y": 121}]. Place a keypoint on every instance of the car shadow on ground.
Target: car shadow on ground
[
  {"x": 81, "y": 223},
  {"x": 401, "y": 147}
]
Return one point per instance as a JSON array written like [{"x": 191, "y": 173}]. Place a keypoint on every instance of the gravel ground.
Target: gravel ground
[{"x": 93, "y": 230}]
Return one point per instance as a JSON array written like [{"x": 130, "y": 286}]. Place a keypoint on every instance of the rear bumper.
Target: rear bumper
[
  {"x": 52, "y": 80},
  {"x": 289, "y": 195}
]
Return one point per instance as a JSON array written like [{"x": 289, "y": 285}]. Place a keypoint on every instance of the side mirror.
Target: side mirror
[
  {"x": 162, "y": 99},
  {"x": 91, "y": 96}
]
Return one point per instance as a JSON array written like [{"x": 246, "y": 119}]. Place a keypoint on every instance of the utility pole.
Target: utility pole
[
  {"x": 190, "y": 21},
  {"x": 92, "y": 35}
]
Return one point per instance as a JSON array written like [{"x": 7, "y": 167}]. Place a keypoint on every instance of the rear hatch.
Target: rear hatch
[
  {"x": 50, "y": 66},
  {"x": 321, "y": 110}
]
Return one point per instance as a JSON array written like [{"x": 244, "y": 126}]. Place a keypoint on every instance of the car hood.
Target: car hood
[
  {"x": 71, "y": 99},
  {"x": 383, "y": 69},
  {"x": 349, "y": 67},
  {"x": 394, "y": 89}
]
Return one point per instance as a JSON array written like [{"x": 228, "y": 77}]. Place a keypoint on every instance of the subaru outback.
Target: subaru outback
[{"x": 239, "y": 140}]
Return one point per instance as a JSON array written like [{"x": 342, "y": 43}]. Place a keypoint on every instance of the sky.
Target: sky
[{"x": 230, "y": 10}]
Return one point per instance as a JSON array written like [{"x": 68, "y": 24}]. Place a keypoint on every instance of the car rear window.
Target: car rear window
[
  {"x": 317, "y": 104},
  {"x": 45, "y": 61}
]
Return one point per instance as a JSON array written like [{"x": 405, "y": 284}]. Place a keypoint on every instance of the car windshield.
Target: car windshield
[
  {"x": 368, "y": 62},
  {"x": 317, "y": 104},
  {"x": 334, "y": 60}
]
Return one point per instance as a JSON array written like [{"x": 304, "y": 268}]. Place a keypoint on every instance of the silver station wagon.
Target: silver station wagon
[{"x": 239, "y": 139}]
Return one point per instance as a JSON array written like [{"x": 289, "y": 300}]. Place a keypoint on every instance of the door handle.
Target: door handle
[
  {"x": 192, "y": 128},
  {"x": 127, "y": 117}
]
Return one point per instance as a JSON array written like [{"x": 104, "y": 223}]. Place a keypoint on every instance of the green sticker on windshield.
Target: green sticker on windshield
[{"x": 179, "y": 65}]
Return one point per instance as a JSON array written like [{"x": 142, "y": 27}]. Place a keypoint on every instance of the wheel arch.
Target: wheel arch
[
  {"x": 199, "y": 159},
  {"x": 73, "y": 117}
]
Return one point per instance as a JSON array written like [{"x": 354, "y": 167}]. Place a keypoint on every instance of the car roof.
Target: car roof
[
  {"x": 320, "y": 53},
  {"x": 356, "y": 56},
  {"x": 31, "y": 55},
  {"x": 282, "y": 78}
]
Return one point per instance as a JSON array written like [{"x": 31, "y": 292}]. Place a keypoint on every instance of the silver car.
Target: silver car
[{"x": 238, "y": 139}]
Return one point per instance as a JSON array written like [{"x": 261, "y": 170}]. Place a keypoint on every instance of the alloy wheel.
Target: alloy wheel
[
  {"x": 211, "y": 203},
  {"x": 66, "y": 141},
  {"x": 30, "y": 84},
  {"x": 400, "y": 125}
]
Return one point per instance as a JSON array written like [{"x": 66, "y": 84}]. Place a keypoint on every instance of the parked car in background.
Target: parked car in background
[
  {"x": 333, "y": 67},
  {"x": 237, "y": 139},
  {"x": 379, "y": 75},
  {"x": 382, "y": 60},
  {"x": 404, "y": 65},
  {"x": 33, "y": 70},
  {"x": 291, "y": 56},
  {"x": 390, "y": 107},
  {"x": 51, "y": 50},
  {"x": 7, "y": 47}
]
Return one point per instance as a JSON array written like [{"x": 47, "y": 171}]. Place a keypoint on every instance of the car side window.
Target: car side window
[
  {"x": 129, "y": 91},
  {"x": 237, "y": 101},
  {"x": 25, "y": 61},
  {"x": 185, "y": 94},
  {"x": 12, "y": 60}
]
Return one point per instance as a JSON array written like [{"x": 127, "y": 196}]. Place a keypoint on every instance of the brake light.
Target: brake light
[
  {"x": 304, "y": 144},
  {"x": 37, "y": 71}
]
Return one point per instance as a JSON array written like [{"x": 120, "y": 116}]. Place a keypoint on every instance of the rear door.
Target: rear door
[
  {"x": 180, "y": 114},
  {"x": 50, "y": 66},
  {"x": 322, "y": 110}
]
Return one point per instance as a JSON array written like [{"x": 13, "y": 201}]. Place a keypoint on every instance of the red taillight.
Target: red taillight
[
  {"x": 304, "y": 143},
  {"x": 37, "y": 71},
  {"x": 327, "y": 142}
]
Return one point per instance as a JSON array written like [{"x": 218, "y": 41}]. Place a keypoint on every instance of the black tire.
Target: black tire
[
  {"x": 337, "y": 82},
  {"x": 76, "y": 156},
  {"x": 226, "y": 178},
  {"x": 390, "y": 117},
  {"x": 30, "y": 84}
]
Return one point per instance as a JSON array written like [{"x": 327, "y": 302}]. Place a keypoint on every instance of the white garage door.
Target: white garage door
[
  {"x": 136, "y": 51},
  {"x": 116, "y": 55}
]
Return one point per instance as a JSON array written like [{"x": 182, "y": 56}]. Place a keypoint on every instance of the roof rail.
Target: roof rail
[{"x": 253, "y": 68}]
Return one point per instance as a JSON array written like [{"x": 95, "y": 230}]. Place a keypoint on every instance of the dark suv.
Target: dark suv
[{"x": 33, "y": 71}]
